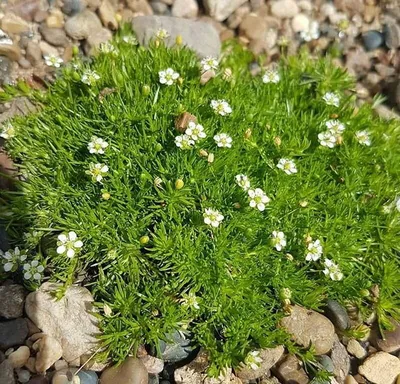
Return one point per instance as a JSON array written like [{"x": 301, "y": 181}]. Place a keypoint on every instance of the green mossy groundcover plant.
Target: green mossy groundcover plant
[{"x": 281, "y": 192}]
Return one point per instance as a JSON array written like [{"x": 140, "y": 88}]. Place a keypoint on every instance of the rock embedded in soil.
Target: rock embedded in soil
[
  {"x": 13, "y": 333},
  {"x": 205, "y": 41},
  {"x": 6, "y": 373},
  {"x": 309, "y": 327},
  {"x": 68, "y": 320},
  {"x": 381, "y": 368},
  {"x": 269, "y": 356},
  {"x": 356, "y": 349},
  {"x": 337, "y": 314},
  {"x": 341, "y": 360},
  {"x": 290, "y": 371},
  {"x": 12, "y": 298},
  {"x": 221, "y": 9},
  {"x": 19, "y": 357},
  {"x": 82, "y": 25},
  {"x": 131, "y": 371},
  {"x": 48, "y": 352}
]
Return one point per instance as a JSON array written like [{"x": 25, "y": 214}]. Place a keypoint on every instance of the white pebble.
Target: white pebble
[
  {"x": 23, "y": 375},
  {"x": 300, "y": 23},
  {"x": 327, "y": 9},
  {"x": 19, "y": 358}
]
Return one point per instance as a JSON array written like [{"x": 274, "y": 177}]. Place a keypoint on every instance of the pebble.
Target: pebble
[
  {"x": 290, "y": 371},
  {"x": 185, "y": 8},
  {"x": 141, "y": 7},
  {"x": 88, "y": 377},
  {"x": 63, "y": 376},
  {"x": 356, "y": 349},
  {"x": 72, "y": 7},
  {"x": 340, "y": 359},
  {"x": 19, "y": 357},
  {"x": 253, "y": 26},
  {"x": 159, "y": 8},
  {"x": 107, "y": 15},
  {"x": 176, "y": 349},
  {"x": 60, "y": 364},
  {"x": 284, "y": 9},
  {"x": 392, "y": 35},
  {"x": 55, "y": 19},
  {"x": 30, "y": 364},
  {"x": 95, "y": 39},
  {"x": 300, "y": 23},
  {"x": 380, "y": 368},
  {"x": 82, "y": 25},
  {"x": 153, "y": 379},
  {"x": 391, "y": 341},
  {"x": 6, "y": 373},
  {"x": 39, "y": 380},
  {"x": 12, "y": 299},
  {"x": 152, "y": 364},
  {"x": 11, "y": 51},
  {"x": 131, "y": 371},
  {"x": 269, "y": 356},
  {"x": 54, "y": 36},
  {"x": 23, "y": 375},
  {"x": 13, "y": 333},
  {"x": 47, "y": 49},
  {"x": 221, "y": 9},
  {"x": 350, "y": 380},
  {"x": 49, "y": 351},
  {"x": 327, "y": 363},
  {"x": 12, "y": 23},
  {"x": 337, "y": 314},
  {"x": 372, "y": 40},
  {"x": 33, "y": 53},
  {"x": 309, "y": 327}
]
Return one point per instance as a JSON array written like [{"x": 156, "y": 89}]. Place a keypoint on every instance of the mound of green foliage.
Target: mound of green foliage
[{"x": 289, "y": 198}]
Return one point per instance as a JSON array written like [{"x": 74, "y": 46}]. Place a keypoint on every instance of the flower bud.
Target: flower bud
[
  {"x": 179, "y": 40},
  {"x": 210, "y": 158},
  {"x": 303, "y": 203},
  {"x": 76, "y": 76},
  {"x": 145, "y": 90},
  {"x": 247, "y": 134},
  {"x": 180, "y": 81},
  {"x": 157, "y": 43},
  {"x": 179, "y": 184},
  {"x": 118, "y": 17},
  {"x": 144, "y": 240},
  {"x": 105, "y": 196},
  {"x": 158, "y": 147},
  {"x": 75, "y": 50},
  {"x": 277, "y": 141},
  {"x": 203, "y": 153}
]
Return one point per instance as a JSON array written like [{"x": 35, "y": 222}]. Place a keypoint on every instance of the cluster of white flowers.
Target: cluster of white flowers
[
  {"x": 184, "y": 141},
  {"x": 68, "y": 244},
  {"x": 242, "y": 181},
  {"x": 258, "y": 199},
  {"x": 221, "y": 107},
  {"x": 97, "y": 145},
  {"x": 278, "y": 240},
  {"x": 195, "y": 131},
  {"x": 314, "y": 250},
  {"x": 33, "y": 270},
  {"x": 332, "y": 270},
  {"x": 212, "y": 217},
  {"x": 271, "y": 76},
  {"x": 253, "y": 360},
  {"x": 363, "y": 137},
  {"x": 168, "y": 76},
  {"x": 223, "y": 140},
  {"x": 332, "y": 135},
  {"x": 52, "y": 60},
  {"x": 7, "y": 131},
  {"x": 209, "y": 63},
  {"x": 97, "y": 171},
  {"x": 90, "y": 77},
  {"x": 331, "y": 98},
  {"x": 190, "y": 300},
  {"x": 162, "y": 34},
  {"x": 288, "y": 166},
  {"x": 12, "y": 259},
  {"x": 108, "y": 48}
]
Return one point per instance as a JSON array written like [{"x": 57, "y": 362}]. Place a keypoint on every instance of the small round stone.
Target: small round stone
[{"x": 372, "y": 40}]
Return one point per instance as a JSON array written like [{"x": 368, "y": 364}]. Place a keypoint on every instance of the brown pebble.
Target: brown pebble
[{"x": 183, "y": 120}]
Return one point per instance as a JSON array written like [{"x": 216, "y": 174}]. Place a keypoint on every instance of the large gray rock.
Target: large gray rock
[
  {"x": 68, "y": 320},
  {"x": 13, "y": 333},
  {"x": 308, "y": 327},
  {"x": 222, "y": 9},
  {"x": 199, "y": 36},
  {"x": 12, "y": 299}
]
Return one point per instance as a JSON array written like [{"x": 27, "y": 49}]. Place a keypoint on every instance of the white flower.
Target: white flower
[
  {"x": 331, "y": 98},
  {"x": 12, "y": 259},
  {"x": 258, "y": 199},
  {"x": 278, "y": 240},
  {"x": 332, "y": 270},
  {"x": 168, "y": 76},
  {"x": 253, "y": 360},
  {"x": 129, "y": 39},
  {"x": 33, "y": 269},
  {"x": 162, "y": 34},
  {"x": 288, "y": 166},
  {"x": 190, "y": 300},
  {"x": 363, "y": 138},
  {"x": 221, "y": 107},
  {"x": 89, "y": 77},
  {"x": 7, "y": 131},
  {"x": 271, "y": 76},
  {"x": 314, "y": 250},
  {"x": 107, "y": 47},
  {"x": 327, "y": 139},
  {"x": 53, "y": 60},
  {"x": 97, "y": 145},
  {"x": 209, "y": 63},
  {"x": 195, "y": 131},
  {"x": 242, "y": 181},
  {"x": 212, "y": 217},
  {"x": 68, "y": 244},
  {"x": 184, "y": 141},
  {"x": 312, "y": 33},
  {"x": 335, "y": 127},
  {"x": 223, "y": 140},
  {"x": 97, "y": 171}
]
